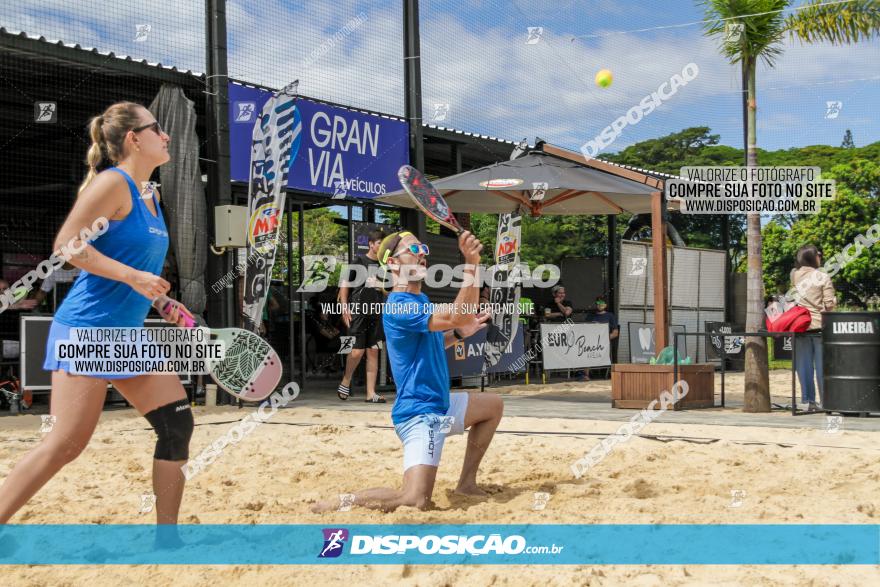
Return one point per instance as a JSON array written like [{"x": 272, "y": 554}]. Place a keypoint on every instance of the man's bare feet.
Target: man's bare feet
[{"x": 471, "y": 489}]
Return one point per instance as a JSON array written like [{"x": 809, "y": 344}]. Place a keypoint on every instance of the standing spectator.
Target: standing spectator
[
  {"x": 559, "y": 309},
  {"x": 816, "y": 294},
  {"x": 364, "y": 320},
  {"x": 603, "y": 316}
]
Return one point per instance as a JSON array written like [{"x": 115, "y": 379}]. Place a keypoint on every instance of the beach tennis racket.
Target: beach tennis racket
[
  {"x": 250, "y": 369},
  {"x": 427, "y": 198}
]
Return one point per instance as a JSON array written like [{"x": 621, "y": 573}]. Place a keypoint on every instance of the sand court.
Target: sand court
[{"x": 675, "y": 472}]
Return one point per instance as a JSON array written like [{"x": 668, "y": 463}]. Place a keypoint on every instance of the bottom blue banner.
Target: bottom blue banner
[{"x": 441, "y": 544}]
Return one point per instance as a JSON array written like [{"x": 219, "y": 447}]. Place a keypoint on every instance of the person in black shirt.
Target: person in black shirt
[
  {"x": 361, "y": 314},
  {"x": 559, "y": 309},
  {"x": 603, "y": 316}
]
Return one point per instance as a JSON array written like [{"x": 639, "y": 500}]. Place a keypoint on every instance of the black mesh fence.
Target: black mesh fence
[
  {"x": 347, "y": 52},
  {"x": 60, "y": 65},
  {"x": 513, "y": 69},
  {"x": 509, "y": 69}
]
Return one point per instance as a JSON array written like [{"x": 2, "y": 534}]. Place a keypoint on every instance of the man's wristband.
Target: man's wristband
[{"x": 457, "y": 335}]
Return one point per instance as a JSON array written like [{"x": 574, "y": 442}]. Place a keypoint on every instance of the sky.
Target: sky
[{"x": 478, "y": 66}]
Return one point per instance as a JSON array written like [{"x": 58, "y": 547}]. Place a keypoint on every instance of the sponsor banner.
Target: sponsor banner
[
  {"x": 507, "y": 240},
  {"x": 576, "y": 346},
  {"x": 273, "y": 141},
  {"x": 474, "y": 544},
  {"x": 733, "y": 346},
  {"x": 340, "y": 152},
  {"x": 503, "y": 327},
  {"x": 642, "y": 344},
  {"x": 782, "y": 348},
  {"x": 465, "y": 358}
]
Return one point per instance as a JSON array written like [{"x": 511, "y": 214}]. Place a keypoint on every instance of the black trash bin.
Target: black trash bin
[{"x": 851, "y": 361}]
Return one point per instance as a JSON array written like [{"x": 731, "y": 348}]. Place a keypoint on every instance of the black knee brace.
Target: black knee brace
[{"x": 173, "y": 424}]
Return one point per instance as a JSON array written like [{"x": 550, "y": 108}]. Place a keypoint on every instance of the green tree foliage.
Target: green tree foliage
[
  {"x": 670, "y": 153},
  {"x": 855, "y": 209},
  {"x": 690, "y": 147},
  {"x": 764, "y": 25},
  {"x": 697, "y": 146},
  {"x": 322, "y": 236},
  {"x": 547, "y": 239}
]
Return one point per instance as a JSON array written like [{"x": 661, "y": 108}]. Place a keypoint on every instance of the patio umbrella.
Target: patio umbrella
[
  {"x": 555, "y": 181},
  {"x": 569, "y": 188},
  {"x": 183, "y": 195}
]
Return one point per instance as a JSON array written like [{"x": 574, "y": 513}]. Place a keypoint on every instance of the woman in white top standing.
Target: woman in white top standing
[{"x": 816, "y": 294}]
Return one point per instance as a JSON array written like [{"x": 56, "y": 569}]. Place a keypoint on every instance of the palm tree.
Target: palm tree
[{"x": 752, "y": 30}]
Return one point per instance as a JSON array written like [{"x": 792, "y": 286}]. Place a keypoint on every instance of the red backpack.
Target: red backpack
[{"x": 796, "y": 319}]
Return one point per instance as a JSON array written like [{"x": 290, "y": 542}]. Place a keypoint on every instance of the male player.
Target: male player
[{"x": 424, "y": 412}]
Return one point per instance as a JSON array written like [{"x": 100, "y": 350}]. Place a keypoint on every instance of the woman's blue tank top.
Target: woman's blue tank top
[{"x": 140, "y": 240}]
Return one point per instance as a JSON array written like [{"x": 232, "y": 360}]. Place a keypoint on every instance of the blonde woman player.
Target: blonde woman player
[
  {"x": 425, "y": 412},
  {"x": 118, "y": 280}
]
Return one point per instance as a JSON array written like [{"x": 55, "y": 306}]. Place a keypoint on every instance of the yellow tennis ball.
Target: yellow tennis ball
[
  {"x": 604, "y": 78},
  {"x": 20, "y": 293}
]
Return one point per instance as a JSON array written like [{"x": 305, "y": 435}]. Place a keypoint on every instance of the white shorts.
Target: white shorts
[{"x": 423, "y": 436}]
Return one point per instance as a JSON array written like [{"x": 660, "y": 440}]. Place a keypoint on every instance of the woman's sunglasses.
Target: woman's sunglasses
[
  {"x": 415, "y": 249},
  {"x": 154, "y": 126}
]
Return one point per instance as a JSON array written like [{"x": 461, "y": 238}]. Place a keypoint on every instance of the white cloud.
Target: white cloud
[{"x": 494, "y": 82}]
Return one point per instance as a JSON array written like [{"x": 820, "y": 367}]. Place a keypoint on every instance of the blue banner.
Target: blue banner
[
  {"x": 338, "y": 152},
  {"x": 482, "y": 544},
  {"x": 465, "y": 358}
]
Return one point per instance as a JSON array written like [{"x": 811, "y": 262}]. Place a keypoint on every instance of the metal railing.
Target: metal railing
[{"x": 794, "y": 335}]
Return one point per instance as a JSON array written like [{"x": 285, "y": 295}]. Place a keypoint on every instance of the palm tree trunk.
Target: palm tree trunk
[{"x": 757, "y": 376}]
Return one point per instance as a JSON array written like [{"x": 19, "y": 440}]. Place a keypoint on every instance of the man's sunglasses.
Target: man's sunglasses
[
  {"x": 154, "y": 126},
  {"x": 415, "y": 249}
]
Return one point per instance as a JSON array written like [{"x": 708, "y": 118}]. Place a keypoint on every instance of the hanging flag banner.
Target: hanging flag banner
[
  {"x": 504, "y": 296},
  {"x": 342, "y": 153},
  {"x": 275, "y": 134}
]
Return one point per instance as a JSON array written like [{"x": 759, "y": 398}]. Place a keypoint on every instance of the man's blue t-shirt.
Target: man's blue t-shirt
[
  {"x": 605, "y": 318},
  {"x": 417, "y": 355}
]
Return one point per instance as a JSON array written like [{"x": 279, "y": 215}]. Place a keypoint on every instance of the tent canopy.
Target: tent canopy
[
  {"x": 570, "y": 188},
  {"x": 572, "y": 185}
]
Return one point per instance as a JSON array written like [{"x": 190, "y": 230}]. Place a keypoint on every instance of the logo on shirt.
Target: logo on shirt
[{"x": 157, "y": 231}]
